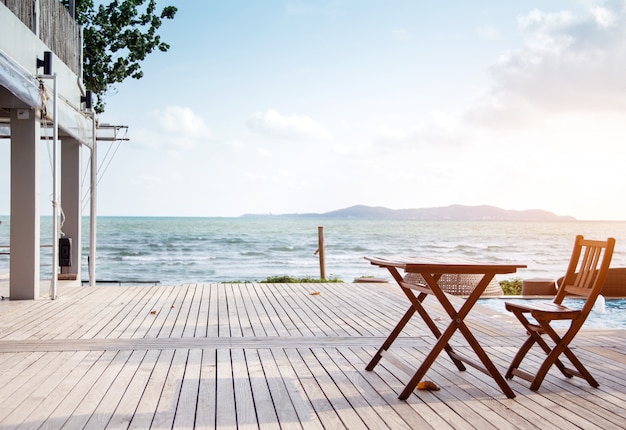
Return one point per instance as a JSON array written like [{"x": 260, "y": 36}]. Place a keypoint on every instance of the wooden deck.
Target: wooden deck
[{"x": 272, "y": 356}]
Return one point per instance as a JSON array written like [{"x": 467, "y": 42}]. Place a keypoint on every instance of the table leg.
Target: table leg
[
  {"x": 417, "y": 304},
  {"x": 458, "y": 323},
  {"x": 391, "y": 338},
  {"x": 490, "y": 368},
  {"x": 429, "y": 360}
]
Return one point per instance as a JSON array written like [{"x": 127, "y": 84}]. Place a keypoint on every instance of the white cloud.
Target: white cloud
[
  {"x": 603, "y": 16},
  {"x": 568, "y": 63},
  {"x": 183, "y": 121},
  {"x": 272, "y": 123},
  {"x": 440, "y": 129},
  {"x": 173, "y": 129}
]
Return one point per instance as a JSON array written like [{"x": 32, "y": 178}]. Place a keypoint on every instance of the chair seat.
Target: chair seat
[{"x": 544, "y": 310}]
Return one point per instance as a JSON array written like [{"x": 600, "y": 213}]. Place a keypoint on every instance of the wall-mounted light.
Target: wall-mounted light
[
  {"x": 46, "y": 63},
  {"x": 86, "y": 99}
]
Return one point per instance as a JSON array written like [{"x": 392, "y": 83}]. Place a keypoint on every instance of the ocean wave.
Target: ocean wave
[{"x": 176, "y": 250}]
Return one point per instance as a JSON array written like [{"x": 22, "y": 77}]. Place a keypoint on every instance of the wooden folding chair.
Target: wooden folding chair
[{"x": 585, "y": 276}]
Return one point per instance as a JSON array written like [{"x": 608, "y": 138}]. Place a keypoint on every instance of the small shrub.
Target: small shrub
[
  {"x": 284, "y": 279},
  {"x": 511, "y": 287}
]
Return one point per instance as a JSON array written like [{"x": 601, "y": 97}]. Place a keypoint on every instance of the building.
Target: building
[{"x": 42, "y": 97}]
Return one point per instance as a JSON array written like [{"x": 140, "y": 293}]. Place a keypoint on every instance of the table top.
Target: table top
[{"x": 434, "y": 265}]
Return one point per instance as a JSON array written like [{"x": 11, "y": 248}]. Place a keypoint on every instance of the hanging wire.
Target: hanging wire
[
  {"x": 108, "y": 162},
  {"x": 103, "y": 166}
]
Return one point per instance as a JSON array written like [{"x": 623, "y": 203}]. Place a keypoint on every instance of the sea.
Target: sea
[{"x": 174, "y": 251}]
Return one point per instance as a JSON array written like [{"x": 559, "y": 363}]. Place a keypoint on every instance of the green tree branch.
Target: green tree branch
[{"x": 116, "y": 38}]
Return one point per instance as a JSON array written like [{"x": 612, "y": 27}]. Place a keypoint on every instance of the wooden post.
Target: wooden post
[{"x": 320, "y": 238}]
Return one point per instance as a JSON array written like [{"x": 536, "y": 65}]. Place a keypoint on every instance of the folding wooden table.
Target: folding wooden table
[{"x": 431, "y": 269}]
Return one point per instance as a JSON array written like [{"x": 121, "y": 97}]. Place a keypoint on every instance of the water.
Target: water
[
  {"x": 183, "y": 250},
  {"x": 606, "y": 314}
]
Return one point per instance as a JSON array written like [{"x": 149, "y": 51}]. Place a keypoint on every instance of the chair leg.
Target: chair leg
[
  {"x": 519, "y": 356},
  {"x": 526, "y": 346},
  {"x": 562, "y": 344},
  {"x": 582, "y": 370},
  {"x": 546, "y": 348},
  {"x": 543, "y": 369}
]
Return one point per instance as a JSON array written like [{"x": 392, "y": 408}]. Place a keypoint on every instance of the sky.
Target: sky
[{"x": 297, "y": 106}]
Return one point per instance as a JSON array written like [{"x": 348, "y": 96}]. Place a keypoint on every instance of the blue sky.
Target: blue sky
[{"x": 310, "y": 106}]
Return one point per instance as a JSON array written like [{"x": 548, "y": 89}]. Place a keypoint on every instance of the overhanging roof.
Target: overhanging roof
[{"x": 21, "y": 84}]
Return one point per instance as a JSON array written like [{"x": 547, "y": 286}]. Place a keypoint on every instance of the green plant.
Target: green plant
[
  {"x": 511, "y": 287},
  {"x": 117, "y": 37},
  {"x": 284, "y": 279}
]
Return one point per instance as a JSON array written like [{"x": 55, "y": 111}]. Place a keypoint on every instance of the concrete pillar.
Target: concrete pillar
[
  {"x": 71, "y": 195},
  {"x": 25, "y": 211}
]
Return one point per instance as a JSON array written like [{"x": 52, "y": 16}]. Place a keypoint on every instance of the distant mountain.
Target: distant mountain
[{"x": 451, "y": 213}]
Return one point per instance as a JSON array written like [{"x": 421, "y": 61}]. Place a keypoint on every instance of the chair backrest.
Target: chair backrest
[{"x": 587, "y": 270}]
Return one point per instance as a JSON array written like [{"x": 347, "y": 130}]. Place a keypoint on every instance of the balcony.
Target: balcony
[{"x": 54, "y": 26}]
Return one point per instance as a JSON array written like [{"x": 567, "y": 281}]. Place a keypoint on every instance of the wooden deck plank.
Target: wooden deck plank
[
  {"x": 213, "y": 320},
  {"x": 247, "y": 412},
  {"x": 206, "y": 412},
  {"x": 273, "y": 356},
  {"x": 188, "y": 398},
  {"x": 147, "y": 405},
  {"x": 285, "y": 313},
  {"x": 225, "y": 409},
  {"x": 354, "y": 310},
  {"x": 223, "y": 315},
  {"x": 608, "y": 410},
  {"x": 153, "y": 320},
  {"x": 326, "y": 316},
  {"x": 297, "y": 392},
  {"x": 320, "y": 403},
  {"x": 89, "y": 402},
  {"x": 43, "y": 388},
  {"x": 350, "y": 384},
  {"x": 39, "y": 366},
  {"x": 169, "y": 314},
  {"x": 143, "y": 318},
  {"x": 300, "y": 305},
  {"x": 125, "y": 322},
  {"x": 14, "y": 371},
  {"x": 125, "y": 410},
  {"x": 193, "y": 316},
  {"x": 295, "y": 301},
  {"x": 279, "y": 390},
  {"x": 48, "y": 408},
  {"x": 263, "y": 404},
  {"x": 202, "y": 323},
  {"x": 165, "y": 411},
  {"x": 258, "y": 321},
  {"x": 243, "y": 318},
  {"x": 349, "y": 418},
  {"x": 102, "y": 324},
  {"x": 80, "y": 387},
  {"x": 379, "y": 390},
  {"x": 272, "y": 315},
  {"x": 396, "y": 385},
  {"x": 112, "y": 400},
  {"x": 182, "y": 314}
]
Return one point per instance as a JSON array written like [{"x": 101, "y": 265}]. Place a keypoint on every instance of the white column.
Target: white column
[{"x": 25, "y": 211}]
